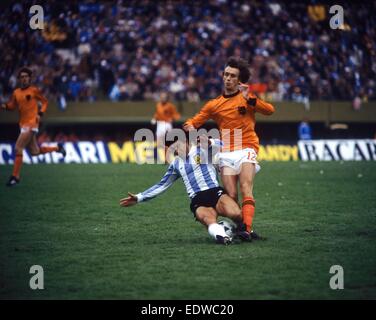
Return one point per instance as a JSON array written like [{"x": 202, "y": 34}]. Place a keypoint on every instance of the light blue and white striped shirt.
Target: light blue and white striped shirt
[{"x": 197, "y": 171}]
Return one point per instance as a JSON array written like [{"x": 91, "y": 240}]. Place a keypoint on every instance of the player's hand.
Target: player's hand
[
  {"x": 244, "y": 88},
  {"x": 129, "y": 201},
  {"x": 188, "y": 127},
  {"x": 153, "y": 121},
  {"x": 3, "y": 106}
]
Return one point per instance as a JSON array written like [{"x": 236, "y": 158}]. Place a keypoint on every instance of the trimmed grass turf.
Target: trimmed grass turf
[{"x": 66, "y": 218}]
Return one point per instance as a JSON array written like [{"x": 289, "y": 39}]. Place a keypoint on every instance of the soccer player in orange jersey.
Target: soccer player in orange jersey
[
  {"x": 164, "y": 115},
  {"x": 234, "y": 112},
  {"x": 26, "y": 99}
]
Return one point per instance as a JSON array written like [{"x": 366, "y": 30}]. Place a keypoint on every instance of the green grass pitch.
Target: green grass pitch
[{"x": 67, "y": 219}]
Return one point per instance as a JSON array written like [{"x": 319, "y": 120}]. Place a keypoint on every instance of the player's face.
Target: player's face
[
  {"x": 24, "y": 79},
  {"x": 163, "y": 97},
  {"x": 231, "y": 78}
]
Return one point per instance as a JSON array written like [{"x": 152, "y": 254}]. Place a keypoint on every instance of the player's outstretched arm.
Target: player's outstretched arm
[
  {"x": 129, "y": 201},
  {"x": 200, "y": 118},
  {"x": 168, "y": 179}
]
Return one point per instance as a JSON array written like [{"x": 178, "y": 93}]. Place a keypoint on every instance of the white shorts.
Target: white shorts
[
  {"x": 27, "y": 129},
  {"x": 162, "y": 128},
  {"x": 235, "y": 159}
]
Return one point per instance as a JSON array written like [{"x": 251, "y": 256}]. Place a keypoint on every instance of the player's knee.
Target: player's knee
[
  {"x": 205, "y": 217},
  {"x": 18, "y": 150},
  {"x": 208, "y": 220},
  {"x": 237, "y": 212},
  {"x": 233, "y": 194},
  {"x": 34, "y": 151}
]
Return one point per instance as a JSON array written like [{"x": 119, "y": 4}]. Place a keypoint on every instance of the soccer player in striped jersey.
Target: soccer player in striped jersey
[
  {"x": 234, "y": 112},
  {"x": 26, "y": 100},
  {"x": 208, "y": 200}
]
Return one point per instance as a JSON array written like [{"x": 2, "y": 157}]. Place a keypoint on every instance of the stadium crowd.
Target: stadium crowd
[{"x": 131, "y": 50}]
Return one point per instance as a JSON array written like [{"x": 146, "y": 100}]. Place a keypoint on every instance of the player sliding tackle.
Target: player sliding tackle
[
  {"x": 234, "y": 112},
  {"x": 208, "y": 199}
]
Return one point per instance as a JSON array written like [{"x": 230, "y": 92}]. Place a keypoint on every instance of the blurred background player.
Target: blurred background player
[
  {"x": 208, "y": 199},
  {"x": 235, "y": 110},
  {"x": 304, "y": 130},
  {"x": 27, "y": 98},
  {"x": 164, "y": 116}
]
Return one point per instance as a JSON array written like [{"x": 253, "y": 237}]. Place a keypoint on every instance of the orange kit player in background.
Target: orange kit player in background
[
  {"x": 164, "y": 115},
  {"x": 234, "y": 112},
  {"x": 26, "y": 99}
]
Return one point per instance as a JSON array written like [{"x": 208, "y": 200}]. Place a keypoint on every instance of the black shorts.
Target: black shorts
[{"x": 207, "y": 198}]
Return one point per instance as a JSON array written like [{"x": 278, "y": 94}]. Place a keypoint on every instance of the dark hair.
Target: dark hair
[
  {"x": 243, "y": 67},
  {"x": 25, "y": 70}
]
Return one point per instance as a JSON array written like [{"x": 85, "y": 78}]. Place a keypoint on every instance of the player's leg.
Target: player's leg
[
  {"x": 161, "y": 134},
  {"x": 246, "y": 178},
  {"x": 227, "y": 207},
  {"x": 35, "y": 149},
  {"x": 21, "y": 143},
  {"x": 167, "y": 129},
  {"x": 229, "y": 179},
  {"x": 33, "y": 146},
  {"x": 208, "y": 217}
]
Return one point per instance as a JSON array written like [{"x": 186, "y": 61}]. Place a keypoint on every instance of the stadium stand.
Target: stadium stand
[{"x": 130, "y": 50}]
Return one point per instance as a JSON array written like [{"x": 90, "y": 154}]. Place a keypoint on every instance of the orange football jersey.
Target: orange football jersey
[
  {"x": 27, "y": 102},
  {"x": 235, "y": 119},
  {"x": 166, "y": 112}
]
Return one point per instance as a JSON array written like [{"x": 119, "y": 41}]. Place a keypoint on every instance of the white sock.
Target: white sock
[{"x": 215, "y": 230}]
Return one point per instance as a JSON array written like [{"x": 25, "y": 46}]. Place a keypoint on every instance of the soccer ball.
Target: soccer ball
[{"x": 229, "y": 227}]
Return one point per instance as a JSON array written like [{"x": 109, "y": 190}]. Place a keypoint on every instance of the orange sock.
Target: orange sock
[
  {"x": 17, "y": 166},
  {"x": 47, "y": 149},
  {"x": 248, "y": 211}
]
